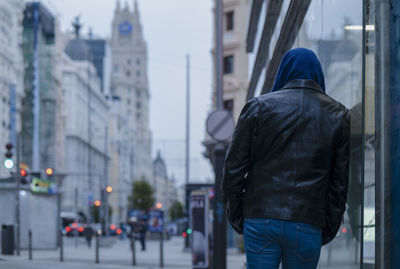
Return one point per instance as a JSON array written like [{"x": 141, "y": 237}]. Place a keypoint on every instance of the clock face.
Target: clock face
[{"x": 125, "y": 28}]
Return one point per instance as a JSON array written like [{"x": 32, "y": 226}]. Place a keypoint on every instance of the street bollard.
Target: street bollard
[
  {"x": 30, "y": 244},
  {"x": 161, "y": 249},
  {"x": 133, "y": 247},
  {"x": 98, "y": 233},
  {"x": 61, "y": 247}
]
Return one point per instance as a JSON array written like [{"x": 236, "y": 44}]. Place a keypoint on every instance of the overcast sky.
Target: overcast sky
[{"x": 172, "y": 29}]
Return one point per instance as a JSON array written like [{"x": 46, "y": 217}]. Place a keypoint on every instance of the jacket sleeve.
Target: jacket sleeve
[
  {"x": 237, "y": 163},
  {"x": 338, "y": 186}
]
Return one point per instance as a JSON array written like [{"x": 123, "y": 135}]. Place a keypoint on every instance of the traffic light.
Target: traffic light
[
  {"x": 23, "y": 174},
  {"x": 109, "y": 189},
  {"x": 8, "y": 162},
  {"x": 97, "y": 203},
  {"x": 49, "y": 171},
  {"x": 159, "y": 205},
  {"x": 189, "y": 231}
]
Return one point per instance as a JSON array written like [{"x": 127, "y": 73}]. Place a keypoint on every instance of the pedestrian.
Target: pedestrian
[
  {"x": 286, "y": 170},
  {"x": 89, "y": 235},
  {"x": 142, "y": 230}
]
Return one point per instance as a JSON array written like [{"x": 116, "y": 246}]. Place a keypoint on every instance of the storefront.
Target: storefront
[{"x": 357, "y": 42}]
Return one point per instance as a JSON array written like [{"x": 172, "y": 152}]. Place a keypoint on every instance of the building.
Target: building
[
  {"x": 235, "y": 58},
  {"x": 129, "y": 83},
  {"x": 86, "y": 128},
  {"x": 98, "y": 47},
  {"x": 41, "y": 105},
  {"x": 121, "y": 158},
  {"x": 11, "y": 75},
  {"x": 358, "y": 46},
  {"x": 165, "y": 190}
]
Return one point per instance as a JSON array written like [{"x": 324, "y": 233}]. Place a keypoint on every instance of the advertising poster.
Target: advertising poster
[
  {"x": 156, "y": 221},
  {"x": 198, "y": 222}
]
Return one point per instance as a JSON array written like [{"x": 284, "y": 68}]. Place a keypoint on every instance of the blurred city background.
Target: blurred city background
[{"x": 110, "y": 154}]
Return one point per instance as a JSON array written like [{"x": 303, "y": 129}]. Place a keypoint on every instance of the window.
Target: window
[
  {"x": 138, "y": 93},
  {"x": 115, "y": 68},
  {"x": 138, "y": 61},
  {"x": 229, "y": 20},
  {"x": 138, "y": 105},
  {"x": 228, "y": 64},
  {"x": 138, "y": 73},
  {"x": 128, "y": 73},
  {"x": 228, "y": 105},
  {"x": 129, "y": 61},
  {"x": 138, "y": 116},
  {"x": 128, "y": 101}
]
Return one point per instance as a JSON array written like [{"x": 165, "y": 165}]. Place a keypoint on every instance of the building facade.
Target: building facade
[
  {"x": 129, "y": 82},
  {"x": 42, "y": 103},
  {"x": 357, "y": 43},
  {"x": 11, "y": 75},
  {"x": 121, "y": 157},
  {"x": 86, "y": 128},
  {"x": 164, "y": 186},
  {"x": 235, "y": 58}
]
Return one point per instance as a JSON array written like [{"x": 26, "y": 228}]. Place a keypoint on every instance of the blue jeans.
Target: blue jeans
[{"x": 268, "y": 242}]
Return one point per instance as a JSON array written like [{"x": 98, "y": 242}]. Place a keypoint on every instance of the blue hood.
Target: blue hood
[{"x": 299, "y": 63}]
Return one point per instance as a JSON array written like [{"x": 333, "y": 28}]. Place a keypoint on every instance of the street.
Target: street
[{"x": 116, "y": 257}]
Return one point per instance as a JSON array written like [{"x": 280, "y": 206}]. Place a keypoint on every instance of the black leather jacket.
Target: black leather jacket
[{"x": 289, "y": 159}]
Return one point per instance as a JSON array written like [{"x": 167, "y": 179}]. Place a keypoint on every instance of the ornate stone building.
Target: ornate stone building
[
  {"x": 130, "y": 136},
  {"x": 129, "y": 83}
]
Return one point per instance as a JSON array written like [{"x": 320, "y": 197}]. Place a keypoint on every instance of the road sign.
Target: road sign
[{"x": 220, "y": 125}]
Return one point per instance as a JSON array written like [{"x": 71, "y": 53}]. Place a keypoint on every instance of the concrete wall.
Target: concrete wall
[{"x": 37, "y": 212}]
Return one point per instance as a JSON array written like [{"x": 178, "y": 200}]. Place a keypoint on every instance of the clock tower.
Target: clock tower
[{"x": 129, "y": 86}]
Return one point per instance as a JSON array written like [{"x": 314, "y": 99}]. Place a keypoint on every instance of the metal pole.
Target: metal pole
[
  {"x": 30, "y": 244},
  {"x": 219, "y": 53},
  {"x": 133, "y": 246},
  {"x": 106, "y": 179},
  {"x": 161, "y": 249},
  {"x": 89, "y": 145},
  {"x": 61, "y": 246},
  {"x": 36, "y": 92},
  {"x": 219, "y": 248},
  {"x": 97, "y": 247},
  {"x": 187, "y": 154},
  {"x": 76, "y": 210},
  {"x": 17, "y": 206},
  {"x": 187, "y": 140}
]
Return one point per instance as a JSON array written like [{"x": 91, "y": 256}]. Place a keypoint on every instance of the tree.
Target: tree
[
  {"x": 176, "y": 210},
  {"x": 142, "y": 195}
]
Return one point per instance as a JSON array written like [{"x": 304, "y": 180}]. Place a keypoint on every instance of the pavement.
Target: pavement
[{"x": 119, "y": 256}]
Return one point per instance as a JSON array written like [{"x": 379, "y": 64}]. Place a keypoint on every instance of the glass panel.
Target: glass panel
[
  {"x": 369, "y": 134},
  {"x": 333, "y": 30}
]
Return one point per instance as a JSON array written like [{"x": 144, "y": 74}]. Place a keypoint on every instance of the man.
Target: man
[
  {"x": 286, "y": 170},
  {"x": 141, "y": 228}
]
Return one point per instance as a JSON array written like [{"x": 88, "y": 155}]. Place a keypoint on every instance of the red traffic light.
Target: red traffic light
[
  {"x": 109, "y": 189},
  {"x": 119, "y": 231},
  {"x": 9, "y": 146},
  {"x": 184, "y": 234},
  {"x": 22, "y": 172},
  {"x": 49, "y": 171},
  {"x": 81, "y": 229}
]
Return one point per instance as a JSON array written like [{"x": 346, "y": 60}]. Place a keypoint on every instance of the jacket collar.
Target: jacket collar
[{"x": 303, "y": 83}]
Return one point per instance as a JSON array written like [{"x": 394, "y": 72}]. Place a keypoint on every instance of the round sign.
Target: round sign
[{"x": 220, "y": 125}]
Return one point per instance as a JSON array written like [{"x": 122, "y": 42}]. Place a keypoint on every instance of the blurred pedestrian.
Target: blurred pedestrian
[
  {"x": 286, "y": 171},
  {"x": 88, "y": 235},
  {"x": 141, "y": 229}
]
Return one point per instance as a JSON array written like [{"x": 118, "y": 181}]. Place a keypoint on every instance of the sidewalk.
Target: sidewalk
[{"x": 117, "y": 257}]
